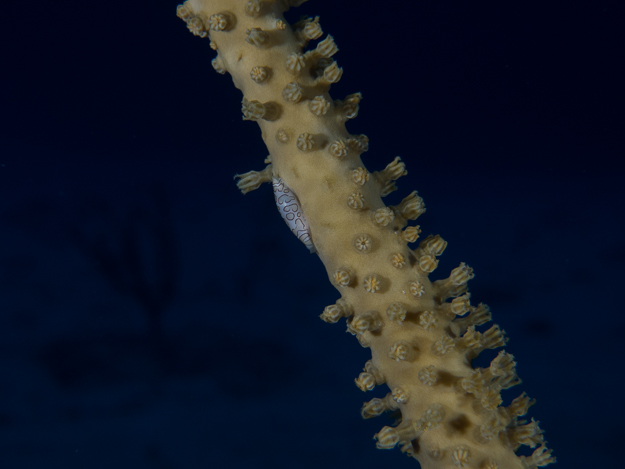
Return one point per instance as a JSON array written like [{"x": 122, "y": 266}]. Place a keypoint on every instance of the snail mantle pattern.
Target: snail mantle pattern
[
  {"x": 291, "y": 212},
  {"x": 422, "y": 335}
]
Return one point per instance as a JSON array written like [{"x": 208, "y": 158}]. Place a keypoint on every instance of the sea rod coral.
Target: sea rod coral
[{"x": 422, "y": 335}]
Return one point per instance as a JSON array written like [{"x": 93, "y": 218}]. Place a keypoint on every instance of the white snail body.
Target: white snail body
[{"x": 292, "y": 213}]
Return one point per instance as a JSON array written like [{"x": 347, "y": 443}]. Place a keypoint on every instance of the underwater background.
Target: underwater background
[{"x": 152, "y": 317}]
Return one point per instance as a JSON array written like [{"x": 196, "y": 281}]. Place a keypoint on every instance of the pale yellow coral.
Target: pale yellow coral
[{"x": 423, "y": 335}]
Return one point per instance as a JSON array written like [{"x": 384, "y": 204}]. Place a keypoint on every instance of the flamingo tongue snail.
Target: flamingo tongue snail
[{"x": 292, "y": 213}]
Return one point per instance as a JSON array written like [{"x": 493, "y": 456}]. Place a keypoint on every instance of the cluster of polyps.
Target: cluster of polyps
[{"x": 423, "y": 335}]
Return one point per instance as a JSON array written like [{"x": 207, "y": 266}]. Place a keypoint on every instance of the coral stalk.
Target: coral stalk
[{"x": 423, "y": 335}]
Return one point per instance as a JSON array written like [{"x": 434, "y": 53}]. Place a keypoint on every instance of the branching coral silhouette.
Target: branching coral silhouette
[{"x": 136, "y": 254}]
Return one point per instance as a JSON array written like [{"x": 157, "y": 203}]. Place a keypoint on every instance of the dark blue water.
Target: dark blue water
[{"x": 153, "y": 317}]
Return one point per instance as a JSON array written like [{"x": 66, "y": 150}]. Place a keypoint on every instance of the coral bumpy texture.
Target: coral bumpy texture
[{"x": 422, "y": 335}]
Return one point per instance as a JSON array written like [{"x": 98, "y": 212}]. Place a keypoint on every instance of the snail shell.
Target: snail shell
[{"x": 292, "y": 213}]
